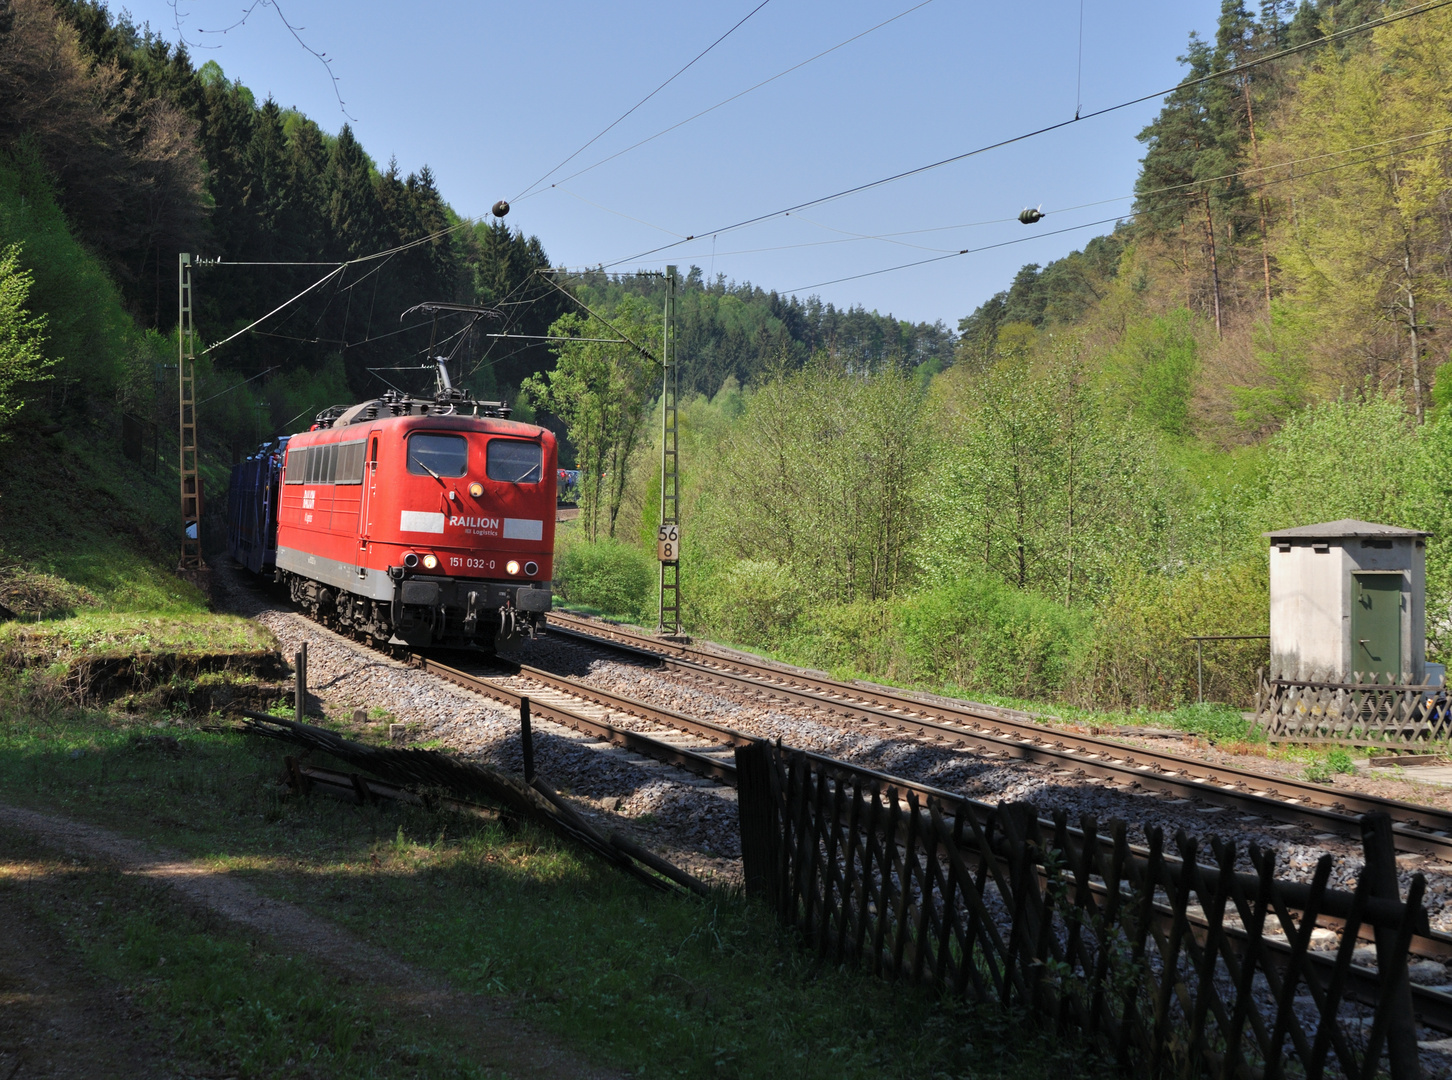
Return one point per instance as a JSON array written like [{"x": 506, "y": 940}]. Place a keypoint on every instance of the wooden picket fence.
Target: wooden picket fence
[
  {"x": 1170, "y": 965},
  {"x": 1365, "y": 709}
]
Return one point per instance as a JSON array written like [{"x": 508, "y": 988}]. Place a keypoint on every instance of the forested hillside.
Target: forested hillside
[
  {"x": 1259, "y": 344},
  {"x": 1043, "y": 504}
]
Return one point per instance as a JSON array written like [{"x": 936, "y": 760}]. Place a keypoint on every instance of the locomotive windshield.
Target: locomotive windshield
[
  {"x": 438, "y": 455},
  {"x": 514, "y": 461}
]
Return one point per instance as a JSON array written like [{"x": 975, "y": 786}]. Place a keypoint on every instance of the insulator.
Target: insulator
[
  {"x": 1030, "y": 215},
  {"x": 501, "y": 208}
]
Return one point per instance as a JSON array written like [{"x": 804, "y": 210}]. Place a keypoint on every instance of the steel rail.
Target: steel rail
[
  {"x": 1432, "y": 1005},
  {"x": 1280, "y": 799},
  {"x": 659, "y": 749}
]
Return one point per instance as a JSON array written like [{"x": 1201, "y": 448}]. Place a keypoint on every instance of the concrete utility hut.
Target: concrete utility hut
[{"x": 1347, "y": 603}]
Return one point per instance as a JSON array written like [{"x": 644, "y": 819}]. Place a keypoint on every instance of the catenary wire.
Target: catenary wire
[
  {"x": 956, "y": 254},
  {"x": 642, "y": 101},
  {"x": 999, "y": 144},
  {"x": 729, "y": 100}
]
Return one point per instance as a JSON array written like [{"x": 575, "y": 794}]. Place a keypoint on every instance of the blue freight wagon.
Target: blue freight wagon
[{"x": 252, "y": 507}]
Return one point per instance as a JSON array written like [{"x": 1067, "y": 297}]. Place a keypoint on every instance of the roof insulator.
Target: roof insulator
[
  {"x": 1030, "y": 215},
  {"x": 501, "y": 208}
]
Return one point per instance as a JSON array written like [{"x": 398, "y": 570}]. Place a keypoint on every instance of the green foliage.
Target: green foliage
[
  {"x": 743, "y": 332},
  {"x": 1037, "y": 481},
  {"x": 1342, "y": 459},
  {"x": 820, "y": 476},
  {"x": 1153, "y": 368},
  {"x": 100, "y": 358},
  {"x": 754, "y": 602},
  {"x": 983, "y": 635},
  {"x": 21, "y": 336},
  {"x": 1218, "y": 723},
  {"x": 1282, "y": 386},
  {"x": 602, "y": 391},
  {"x": 1442, "y": 390},
  {"x": 605, "y": 574},
  {"x": 1139, "y": 656},
  {"x": 1322, "y": 770}
]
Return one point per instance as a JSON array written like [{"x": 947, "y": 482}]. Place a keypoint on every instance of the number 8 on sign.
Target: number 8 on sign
[{"x": 668, "y": 543}]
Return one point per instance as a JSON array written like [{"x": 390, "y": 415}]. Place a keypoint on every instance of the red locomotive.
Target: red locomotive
[{"x": 420, "y": 521}]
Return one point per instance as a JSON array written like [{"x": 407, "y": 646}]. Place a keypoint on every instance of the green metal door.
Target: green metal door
[{"x": 1376, "y": 625}]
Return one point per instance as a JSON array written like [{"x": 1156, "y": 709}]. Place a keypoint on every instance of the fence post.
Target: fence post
[
  {"x": 526, "y": 740},
  {"x": 756, "y": 813},
  {"x": 300, "y": 684},
  {"x": 1381, "y": 874}
]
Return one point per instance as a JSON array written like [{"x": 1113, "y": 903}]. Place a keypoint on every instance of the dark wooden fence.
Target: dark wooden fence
[
  {"x": 1362, "y": 709},
  {"x": 1172, "y": 965}
]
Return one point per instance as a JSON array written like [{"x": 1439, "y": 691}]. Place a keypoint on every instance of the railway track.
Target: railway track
[
  {"x": 706, "y": 749},
  {"x": 1419, "y": 830}
]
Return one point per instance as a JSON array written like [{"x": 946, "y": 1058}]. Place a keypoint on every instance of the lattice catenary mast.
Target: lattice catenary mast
[
  {"x": 191, "y": 495},
  {"x": 668, "y": 535}
]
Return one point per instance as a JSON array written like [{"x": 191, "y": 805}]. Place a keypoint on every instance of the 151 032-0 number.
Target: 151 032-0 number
[{"x": 471, "y": 564}]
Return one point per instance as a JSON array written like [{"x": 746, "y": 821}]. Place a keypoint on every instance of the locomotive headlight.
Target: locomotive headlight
[
  {"x": 476, "y": 489},
  {"x": 431, "y": 562},
  {"x": 512, "y": 566},
  {"x": 410, "y": 560}
]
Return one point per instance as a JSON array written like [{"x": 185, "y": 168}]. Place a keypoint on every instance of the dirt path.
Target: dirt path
[
  {"x": 494, "y": 1038},
  {"x": 57, "y": 1020}
]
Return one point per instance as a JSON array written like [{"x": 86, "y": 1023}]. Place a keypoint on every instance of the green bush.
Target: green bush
[
  {"x": 606, "y": 574},
  {"x": 754, "y": 602},
  {"x": 849, "y": 639},
  {"x": 1138, "y": 656},
  {"x": 981, "y": 634}
]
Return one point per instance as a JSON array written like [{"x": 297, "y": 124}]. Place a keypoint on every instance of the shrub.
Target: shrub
[
  {"x": 1138, "y": 655},
  {"x": 605, "y": 574},
  {"x": 754, "y": 602},
  {"x": 848, "y": 639},
  {"x": 981, "y": 634}
]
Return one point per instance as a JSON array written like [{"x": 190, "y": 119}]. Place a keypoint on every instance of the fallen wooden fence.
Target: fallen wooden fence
[{"x": 1171, "y": 965}]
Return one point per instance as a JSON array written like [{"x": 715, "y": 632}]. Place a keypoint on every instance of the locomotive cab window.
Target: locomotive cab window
[
  {"x": 438, "y": 455},
  {"x": 514, "y": 461},
  {"x": 297, "y": 463}
]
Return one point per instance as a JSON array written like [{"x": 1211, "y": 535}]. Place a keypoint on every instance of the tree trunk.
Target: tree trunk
[
  {"x": 1214, "y": 262},
  {"x": 1412, "y": 334},
  {"x": 1260, "y": 196}
]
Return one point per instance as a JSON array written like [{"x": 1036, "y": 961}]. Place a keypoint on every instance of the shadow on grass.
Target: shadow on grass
[{"x": 664, "y": 985}]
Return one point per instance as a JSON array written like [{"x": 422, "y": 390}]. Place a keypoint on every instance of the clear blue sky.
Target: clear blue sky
[{"x": 492, "y": 95}]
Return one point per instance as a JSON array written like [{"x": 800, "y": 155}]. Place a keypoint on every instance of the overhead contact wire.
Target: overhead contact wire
[
  {"x": 999, "y": 144},
  {"x": 642, "y": 101}
]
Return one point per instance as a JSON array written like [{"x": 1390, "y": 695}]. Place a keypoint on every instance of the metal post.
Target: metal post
[
  {"x": 526, "y": 740},
  {"x": 300, "y": 684},
  {"x": 190, "y": 480},
  {"x": 668, "y": 535},
  {"x": 1379, "y": 850},
  {"x": 1200, "y": 668}
]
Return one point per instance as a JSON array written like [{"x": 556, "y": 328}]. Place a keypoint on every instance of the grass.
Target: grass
[
  {"x": 218, "y": 995},
  {"x": 129, "y": 632},
  {"x": 666, "y": 986}
]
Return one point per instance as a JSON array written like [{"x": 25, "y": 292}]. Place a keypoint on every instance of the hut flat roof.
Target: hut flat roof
[{"x": 1345, "y": 528}]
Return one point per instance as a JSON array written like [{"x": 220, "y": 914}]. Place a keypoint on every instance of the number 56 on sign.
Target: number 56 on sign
[{"x": 668, "y": 543}]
